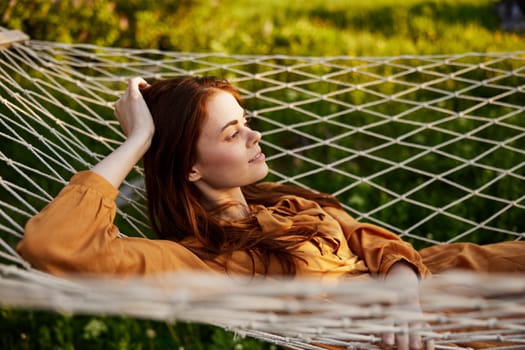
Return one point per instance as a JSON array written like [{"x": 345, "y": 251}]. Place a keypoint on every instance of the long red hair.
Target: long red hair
[{"x": 178, "y": 107}]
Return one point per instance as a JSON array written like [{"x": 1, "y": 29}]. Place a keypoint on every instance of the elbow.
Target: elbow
[
  {"x": 32, "y": 247},
  {"x": 66, "y": 249},
  {"x": 32, "y": 254},
  {"x": 37, "y": 248}
]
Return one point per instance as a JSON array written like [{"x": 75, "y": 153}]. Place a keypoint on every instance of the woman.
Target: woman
[{"x": 201, "y": 160}]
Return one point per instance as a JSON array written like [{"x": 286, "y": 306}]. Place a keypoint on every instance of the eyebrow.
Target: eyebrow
[{"x": 233, "y": 122}]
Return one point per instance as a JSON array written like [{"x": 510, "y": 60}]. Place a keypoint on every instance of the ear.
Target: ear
[{"x": 194, "y": 175}]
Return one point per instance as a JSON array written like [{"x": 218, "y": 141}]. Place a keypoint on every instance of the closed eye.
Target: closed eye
[{"x": 232, "y": 136}]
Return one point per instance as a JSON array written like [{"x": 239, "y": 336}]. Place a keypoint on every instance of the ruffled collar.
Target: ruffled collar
[{"x": 293, "y": 211}]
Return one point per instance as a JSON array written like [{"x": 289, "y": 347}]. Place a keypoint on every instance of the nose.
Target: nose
[{"x": 254, "y": 137}]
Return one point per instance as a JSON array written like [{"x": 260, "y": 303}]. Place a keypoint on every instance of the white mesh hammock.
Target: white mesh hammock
[{"x": 430, "y": 147}]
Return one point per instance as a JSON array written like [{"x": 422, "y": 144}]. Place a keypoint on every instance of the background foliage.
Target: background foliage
[{"x": 314, "y": 27}]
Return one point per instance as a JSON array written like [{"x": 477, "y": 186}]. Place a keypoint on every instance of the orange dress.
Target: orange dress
[{"x": 76, "y": 233}]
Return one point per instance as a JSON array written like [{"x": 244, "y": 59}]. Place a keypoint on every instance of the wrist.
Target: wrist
[
  {"x": 403, "y": 276},
  {"x": 139, "y": 141}
]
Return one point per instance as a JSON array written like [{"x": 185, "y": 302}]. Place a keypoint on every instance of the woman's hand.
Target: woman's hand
[
  {"x": 402, "y": 275},
  {"x": 137, "y": 123},
  {"x": 133, "y": 113}
]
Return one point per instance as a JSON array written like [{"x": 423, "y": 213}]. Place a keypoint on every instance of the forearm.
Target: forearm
[
  {"x": 117, "y": 165},
  {"x": 136, "y": 122}
]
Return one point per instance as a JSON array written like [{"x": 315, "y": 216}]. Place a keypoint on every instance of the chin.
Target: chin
[
  {"x": 263, "y": 173},
  {"x": 257, "y": 174}
]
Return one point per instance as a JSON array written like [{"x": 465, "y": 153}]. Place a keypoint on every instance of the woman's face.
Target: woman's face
[{"x": 228, "y": 151}]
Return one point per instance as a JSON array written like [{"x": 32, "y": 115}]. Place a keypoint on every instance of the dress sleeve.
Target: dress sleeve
[
  {"x": 75, "y": 233},
  {"x": 378, "y": 247}
]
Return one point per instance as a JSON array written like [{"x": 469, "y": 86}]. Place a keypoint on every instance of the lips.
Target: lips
[{"x": 258, "y": 157}]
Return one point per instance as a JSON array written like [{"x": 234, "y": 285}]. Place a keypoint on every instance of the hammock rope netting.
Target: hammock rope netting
[{"x": 430, "y": 147}]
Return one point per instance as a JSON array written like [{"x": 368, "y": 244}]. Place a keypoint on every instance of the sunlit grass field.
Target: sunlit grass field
[
  {"x": 360, "y": 28},
  {"x": 303, "y": 28},
  {"x": 294, "y": 27}
]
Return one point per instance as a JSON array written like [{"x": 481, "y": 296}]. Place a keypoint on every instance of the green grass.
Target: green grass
[
  {"x": 314, "y": 27},
  {"x": 44, "y": 330}
]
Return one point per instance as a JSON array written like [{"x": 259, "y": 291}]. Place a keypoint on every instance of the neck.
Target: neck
[{"x": 233, "y": 198}]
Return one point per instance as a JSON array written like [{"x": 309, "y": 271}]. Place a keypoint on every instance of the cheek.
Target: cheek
[{"x": 221, "y": 158}]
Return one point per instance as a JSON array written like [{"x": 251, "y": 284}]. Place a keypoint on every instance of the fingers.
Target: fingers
[
  {"x": 388, "y": 339},
  {"x": 133, "y": 113},
  {"x": 414, "y": 341},
  {"x": 407, "y": 338},
  {"x": 134, "y": 86},
  {"x": 132, "y": 91},
  {"x": 137, "y": 81},
  {"x": 402, "y": 339}
]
